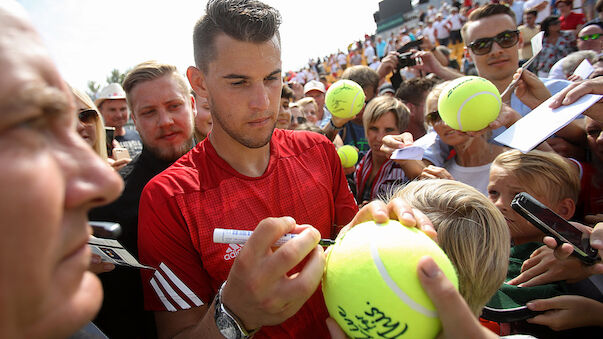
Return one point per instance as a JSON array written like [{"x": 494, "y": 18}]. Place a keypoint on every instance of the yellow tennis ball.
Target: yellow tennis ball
[
  {"x": 469, "y": 103},
  {"x": 371, "y": 286},
  {"x": 348, "y": 155},
  {"x": 344, "y": 99}
]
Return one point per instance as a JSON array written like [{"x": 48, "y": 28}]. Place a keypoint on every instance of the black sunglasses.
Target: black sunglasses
[
  {"x": 87, "y": 116},
  {"x": 300, "y": 120},
  {"x": 587, "y": 37},
  {"x": 504, "y": 39},
  {"x": 433, "y": 117}
]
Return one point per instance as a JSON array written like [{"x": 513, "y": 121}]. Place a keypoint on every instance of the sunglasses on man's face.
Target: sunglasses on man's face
[
  {"x": 505, "y": 39},
  {"x": 590, "y": 37},
  {"x": 87, "y": 117},
  {"x": 300, "y": 120}
]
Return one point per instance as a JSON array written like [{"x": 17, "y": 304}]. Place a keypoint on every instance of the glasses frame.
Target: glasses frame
[
  {"x": 87, "y": 117},
  {"x": 593, "y": 36},
  {"x": 499, "y": 38},
  {"x": 433, "y": 118}
]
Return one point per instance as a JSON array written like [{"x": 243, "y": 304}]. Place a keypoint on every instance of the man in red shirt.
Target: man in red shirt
[
  {"x": 570, "y": 21},
  {"x": 244, "y": 172}
]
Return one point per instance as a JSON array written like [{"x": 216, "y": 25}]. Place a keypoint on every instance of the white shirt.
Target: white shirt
[
  {"x": 441, "y": 31},
  {"x": 476, "y": 177},
  {"x": 456, "y": 20},
  {"x": 369, "y": 53},
  {"x": 541, "y": 14},
  {"x": 429, "y": 33},
  {"x": 341, "y": 59}
]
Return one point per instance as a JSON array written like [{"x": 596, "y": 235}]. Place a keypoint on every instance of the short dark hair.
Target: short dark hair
[
  {"x": 287, "y": 92},
  {"x": 244, "y": 20},
  {"x": 414, "y": 90},
  {"x": 547, "y": 23},
  {"x": 363, "y": 76},
  {"x": 485, "y": 12},
  {"x": 532, "y": 12}
]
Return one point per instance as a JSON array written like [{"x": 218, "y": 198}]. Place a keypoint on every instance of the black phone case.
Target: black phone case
[{"x": 529, "y": 208}]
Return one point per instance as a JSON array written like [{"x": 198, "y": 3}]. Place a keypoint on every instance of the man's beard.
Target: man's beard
[{"x": 241, "y": 138}]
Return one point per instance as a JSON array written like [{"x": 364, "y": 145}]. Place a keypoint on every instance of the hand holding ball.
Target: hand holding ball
[
  {"x": 344, "y": 99},
  {"x": 348, "y": 155},
  {"x": 469, "y": 103},
  {"x": 371, "y": 286}
]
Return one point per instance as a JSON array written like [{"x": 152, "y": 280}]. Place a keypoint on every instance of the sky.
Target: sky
[{"x": 89, "y": 38}]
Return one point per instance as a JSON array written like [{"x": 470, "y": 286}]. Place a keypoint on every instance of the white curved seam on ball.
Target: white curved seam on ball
[
  {"x": 354, "y": 103},
  {"x": 458, "y": 113},
  {"x": 394, "y": 287}
]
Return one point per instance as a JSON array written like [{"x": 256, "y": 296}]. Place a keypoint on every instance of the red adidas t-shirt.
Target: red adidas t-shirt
[{"x": 180, "y": 207}]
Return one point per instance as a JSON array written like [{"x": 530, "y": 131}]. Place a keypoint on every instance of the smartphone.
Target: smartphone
[
  {"x": 105, "y": 229},
  {"x": 555, "y": 226},
  {"x": 120, "y": 153},
  {"x": 110, "y": 135}
]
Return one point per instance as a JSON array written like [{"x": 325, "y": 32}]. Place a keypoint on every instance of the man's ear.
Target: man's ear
[
  {"x": 193, "y": 105},
  {"x": 196, "y": 79},
  {"x": 566, "y": 208}
]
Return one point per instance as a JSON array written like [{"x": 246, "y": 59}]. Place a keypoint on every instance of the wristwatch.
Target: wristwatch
[{"x": 227, "y": 323}]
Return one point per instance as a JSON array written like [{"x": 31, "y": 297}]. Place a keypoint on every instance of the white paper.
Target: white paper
[
  {"x": 542, "y": 122},
  {"x": 536, "y": 42},
  {"x": 584, "y": 70},
  {"x": 408, "y": 153},
  {"x": 113, "y": 252}
]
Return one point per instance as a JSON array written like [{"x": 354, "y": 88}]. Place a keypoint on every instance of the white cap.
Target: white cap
[
  {"x": 314, "y": 85},
  {"x": 110, "y": 92}
]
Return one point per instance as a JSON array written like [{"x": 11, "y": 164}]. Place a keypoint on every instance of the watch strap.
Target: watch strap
[{"x": 221, "y": 310}]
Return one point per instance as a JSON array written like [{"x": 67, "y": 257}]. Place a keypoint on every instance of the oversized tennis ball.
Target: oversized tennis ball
[
  {"x": 344, "y": 99},
  {"x": 469, "y": 103},
  {"x": 348, "y": 155},
  {"x": 371, "y": 286}
]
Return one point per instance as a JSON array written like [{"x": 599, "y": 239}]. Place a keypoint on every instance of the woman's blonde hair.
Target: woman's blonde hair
[
  {"x": 304, "y": 101},
  {"x": 543, "y": 174},
  {"x": 380, "y": 106},
  {"x": 471, "y": 231},
  {"x": 100, "y": 146}
]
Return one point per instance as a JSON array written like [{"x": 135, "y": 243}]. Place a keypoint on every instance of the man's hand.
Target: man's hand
[
  {"x": 542, "y": 268},
  {"x": 576, "y": 90},
  {"x": 435, "y": 172},
  {"x": 567, "y": 311},
  {"x": 530, "y": 90},
  {"x": 258, "y": 289},
  {"x": 97, "y": 266},
  {"x": 388, "y": 64},
  {"x": 390, "y": 143},
  {"x": 566, "y": 148},
  {"x": 430, "y": 64},
  {"x": 457, "y": 319},
  {"x": 396, "y": 209}
]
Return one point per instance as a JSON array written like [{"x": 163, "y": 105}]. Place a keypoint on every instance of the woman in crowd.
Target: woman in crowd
[
  {"x": 473, "y": 154},
  {"x": 556, "y": 44},
  {"x": 310, "y": 108},
  {"x": 90, "y": 125},
  {"x": 376, "y": 175}
]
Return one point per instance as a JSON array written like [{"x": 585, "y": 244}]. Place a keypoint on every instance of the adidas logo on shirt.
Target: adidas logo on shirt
[{"x": 232, "y": 251}]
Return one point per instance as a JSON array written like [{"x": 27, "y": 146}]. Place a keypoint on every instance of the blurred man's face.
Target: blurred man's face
[
  {"x": 115, "y": 112},
  {"x": 50, "y": 180},
  {"x": 529, "y": 19},
  {"x": 163, "y": 116},
  {"x": 203, "y": 120},
  {"x": 594, "y": 137},
  {"x": 592, "y": 42},
  {"x": 318, "y": 96}
]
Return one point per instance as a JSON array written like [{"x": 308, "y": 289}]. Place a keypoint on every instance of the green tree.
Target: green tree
[
  {"x": 93, "y": 88},
  {"x": 116, "y": 76}
]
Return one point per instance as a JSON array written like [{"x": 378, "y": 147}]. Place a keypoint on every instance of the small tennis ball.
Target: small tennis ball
[
  {"x": 371, "y": 286},
  {"x": 344, "y": 99},
  {"x": 469, "y": 103},
  {"x": 348, "y": 155}
]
